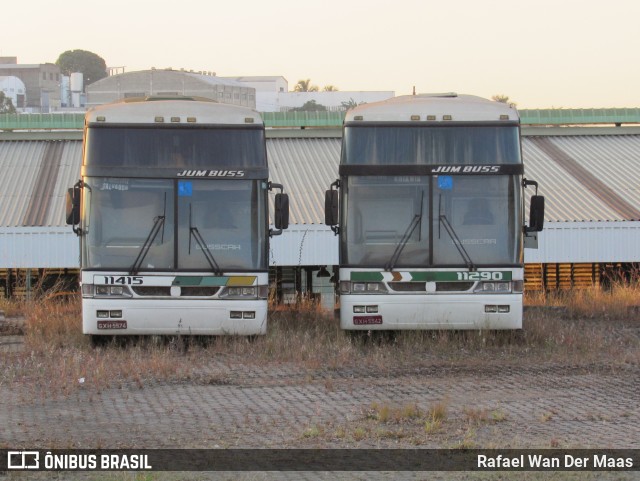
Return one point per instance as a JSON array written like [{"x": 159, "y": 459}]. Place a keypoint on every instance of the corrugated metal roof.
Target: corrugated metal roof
[
  {"x": 68, "y": 175},
  {"x": 612, "y": 162},
  {"x": 19, "y": 164},
  {"x": 566, "y": 199},
  {"x": 306, "y": 165},
  {"x": 622, "y": 155}
]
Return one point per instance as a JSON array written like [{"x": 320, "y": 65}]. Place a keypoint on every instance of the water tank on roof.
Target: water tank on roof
[{"x": 76, "y": 82}]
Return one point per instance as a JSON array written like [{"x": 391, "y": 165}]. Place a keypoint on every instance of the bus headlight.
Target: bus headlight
[
  {"x": 359, "y": 286},
  {"x": 99, "y": 290},
  {"x": 88, "y": 290},
  {"x": 116, "y": 290},
  {"x": 347, "y": 287},
  {"x": 239, "y": 292},
  {"x": 497, "y": 287}
]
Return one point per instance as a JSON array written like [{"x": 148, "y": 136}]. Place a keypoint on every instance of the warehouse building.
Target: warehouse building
[
  {"x": 169, "y": 82},
  {"x": 590, "y": 177}
]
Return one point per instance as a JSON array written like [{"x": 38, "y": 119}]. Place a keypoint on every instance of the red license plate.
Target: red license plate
[
  {"x": 366, "y": 320},
  {"x": 112, "y": 324}
]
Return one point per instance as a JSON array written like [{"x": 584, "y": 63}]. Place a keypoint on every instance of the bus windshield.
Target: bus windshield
[
  {"x": 399, "y": 221},
  {"x": 190, "y": 221},
  {"x": 410, "y": 145},
  {"x": 175, "y": 147}
]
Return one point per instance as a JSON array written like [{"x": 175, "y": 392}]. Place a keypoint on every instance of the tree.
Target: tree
[
  {"x": 503, "y": 99},
  {"x": 348, "y": 105},
  {"x": 305, "y": 86},
  {"x": 330, "y": 88},
  {"x": 6, "y": 105},
  {"x": 92, "y": 66},
  {"x": 310, "y": 106}
]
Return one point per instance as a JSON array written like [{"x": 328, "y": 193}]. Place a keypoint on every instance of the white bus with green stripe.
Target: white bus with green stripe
[
  {"x": 429, "y": 210},
  {"x": 172, "y": 215}
]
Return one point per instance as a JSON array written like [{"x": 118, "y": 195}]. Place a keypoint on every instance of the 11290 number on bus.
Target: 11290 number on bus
[{"x": 480, "y": 276}]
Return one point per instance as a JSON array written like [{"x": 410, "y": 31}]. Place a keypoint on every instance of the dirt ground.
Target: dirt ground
[{"x": 421, "y": 403}]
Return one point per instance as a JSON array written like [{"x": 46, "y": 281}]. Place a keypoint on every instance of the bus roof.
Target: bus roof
[
  {"x": 174, "y": 111},
  {"x": 433, "y": 107}
]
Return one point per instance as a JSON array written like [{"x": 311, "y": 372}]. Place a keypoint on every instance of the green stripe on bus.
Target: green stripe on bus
[
  {"x": 436, "y": 276},
  {"x": 199, "y": 281},
  {"x": 453, "y": 276},
  {"x": 367, "y": 276}
]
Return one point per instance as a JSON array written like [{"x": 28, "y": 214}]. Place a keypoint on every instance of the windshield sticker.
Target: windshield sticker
[
  {"x": 445, "y": 182},
  {"x": 185, "y": 188},
  {"x": 114, "y": 184}
]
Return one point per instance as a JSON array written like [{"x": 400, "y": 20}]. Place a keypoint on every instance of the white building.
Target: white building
[
  {"x": 268, "y": 90},
  {"x": 14, "y": 89},
  {"x": 272, "y": 95}
]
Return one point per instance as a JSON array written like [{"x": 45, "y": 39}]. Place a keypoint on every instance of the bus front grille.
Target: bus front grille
[{"x": 185, "y": 291}]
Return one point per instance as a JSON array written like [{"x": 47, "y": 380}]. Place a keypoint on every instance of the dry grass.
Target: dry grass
[
  {"x": 57, "y": 356},
  {"x": 385, "y": 413},
  {"x": 58, "y": 360},
  {"x": 616, "y": 302},
  {"x": 478, "y": 416},
  {"x": 11, "y": 307}
]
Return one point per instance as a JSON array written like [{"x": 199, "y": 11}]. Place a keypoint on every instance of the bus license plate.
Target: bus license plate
[
  {"x": 366, "y": 320},
  {"x": 112, "y": 324}
]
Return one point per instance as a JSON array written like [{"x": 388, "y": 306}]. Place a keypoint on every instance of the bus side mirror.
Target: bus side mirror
[
  {"x": 73, "y": 206},
  {"x": 536, "y": 214},
  {"x": 331, "y": 207},
  {"x": 281, "y": 214}
]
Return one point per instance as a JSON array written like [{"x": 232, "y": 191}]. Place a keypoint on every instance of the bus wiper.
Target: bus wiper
[
  {"x": 456, "y": 241},
  {"x": 405, "y": 237},
  {"x": 158, "y": 224},
  {"x": 195, "y": 233}
]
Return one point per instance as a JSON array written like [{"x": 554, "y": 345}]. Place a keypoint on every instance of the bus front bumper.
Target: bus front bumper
[
  {"x": 185, "y": 317},
  {"x": 453, "y": 311}
]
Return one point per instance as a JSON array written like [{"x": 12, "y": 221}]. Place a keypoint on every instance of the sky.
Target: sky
[{"x": 542, "y": 54}]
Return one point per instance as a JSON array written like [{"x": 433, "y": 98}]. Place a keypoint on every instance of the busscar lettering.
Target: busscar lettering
[
  {"x": 211, "y": 173},
  {"x": 222, "y": 247}
]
